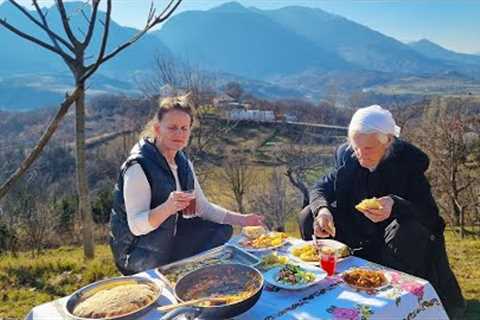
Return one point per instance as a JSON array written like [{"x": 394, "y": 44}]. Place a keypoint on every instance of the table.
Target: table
[{"x": 406, "y": 298}]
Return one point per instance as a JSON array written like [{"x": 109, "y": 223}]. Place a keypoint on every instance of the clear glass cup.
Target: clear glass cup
[{"x": 190, "y": 211}]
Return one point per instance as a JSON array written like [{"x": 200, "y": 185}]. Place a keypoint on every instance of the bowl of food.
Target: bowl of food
[
  {"x": 365, "y": 279},
  {"x": 114, "y": 299}
]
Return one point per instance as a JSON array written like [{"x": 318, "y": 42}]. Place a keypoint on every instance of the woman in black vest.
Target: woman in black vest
[{"x": 149, "y": 223}]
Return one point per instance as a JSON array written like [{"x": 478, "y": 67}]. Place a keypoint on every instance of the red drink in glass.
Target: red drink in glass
[
  {"x": 328, "y": 262},
  {"x": 190, "y": 211}
]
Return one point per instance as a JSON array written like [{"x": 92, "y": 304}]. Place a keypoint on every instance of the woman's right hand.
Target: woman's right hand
[
  {"x": 323, "y": 225},
  {"x": 178, "y": 201}
]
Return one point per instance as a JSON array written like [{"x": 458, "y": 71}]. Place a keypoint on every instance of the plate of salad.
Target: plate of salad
[{"x": 294, "y": 277}]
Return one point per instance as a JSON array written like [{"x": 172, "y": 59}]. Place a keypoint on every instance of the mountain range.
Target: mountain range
[{"x": 289, "y": 52}]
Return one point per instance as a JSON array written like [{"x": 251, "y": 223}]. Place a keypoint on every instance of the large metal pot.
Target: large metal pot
[
  {"x": 91, "y": 289},
  {"x": 220, "y": 279}
]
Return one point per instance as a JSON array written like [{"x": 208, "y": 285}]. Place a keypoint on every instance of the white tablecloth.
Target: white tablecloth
[{"x": 406, "y": 298}]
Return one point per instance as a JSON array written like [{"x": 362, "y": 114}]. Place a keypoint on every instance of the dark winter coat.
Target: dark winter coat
[{"x": 411, "y": 239}]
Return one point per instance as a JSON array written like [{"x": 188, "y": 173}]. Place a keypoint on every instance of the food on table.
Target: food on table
[
  {"x": 294, "y": 275},
  {"x": 230, "y": 286},
  {"x": 175, "y": 273},
  {"x": 272, "y": 260},
  {"x": 306, "y": 252},
  {"x": 365, "y": 278},
  {"x": 253, "y": 232},
  {"x": 367, "y": 204},
  {"x": 309, "y": 253},
  {"x": 115, "y": 301},
  {"x": 272, "y": 239},
  {"x": 225, "y": 299}
]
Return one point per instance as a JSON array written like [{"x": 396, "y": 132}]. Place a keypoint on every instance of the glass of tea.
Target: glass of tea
[
  {"x": 328, "y": 260},
  {"x": 190, "y": 211}
]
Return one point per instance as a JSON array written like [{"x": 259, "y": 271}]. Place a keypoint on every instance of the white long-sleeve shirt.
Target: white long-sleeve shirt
[{"x": 137, "y": 195}]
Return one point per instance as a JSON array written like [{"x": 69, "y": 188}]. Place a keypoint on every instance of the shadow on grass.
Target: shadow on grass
[{"x": 473, "y": 310}]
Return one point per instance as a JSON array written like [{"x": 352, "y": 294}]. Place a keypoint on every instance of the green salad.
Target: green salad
[{"x": 294, "y": 275}]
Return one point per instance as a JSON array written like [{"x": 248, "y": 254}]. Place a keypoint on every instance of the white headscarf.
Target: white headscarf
[{"x": 373, "y": 119}]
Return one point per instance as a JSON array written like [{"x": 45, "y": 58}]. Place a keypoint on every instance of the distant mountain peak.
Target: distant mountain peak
[
  {"x": 230, "y": 7},
  {"x": 424, "y": 42}
]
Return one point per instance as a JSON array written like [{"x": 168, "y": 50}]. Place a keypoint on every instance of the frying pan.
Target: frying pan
[{"x": 219, "y": 279}]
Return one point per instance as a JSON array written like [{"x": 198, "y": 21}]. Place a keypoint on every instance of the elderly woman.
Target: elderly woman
[
  {"x": 406, "y": 232},
  {"x": 156, "y": 194}
]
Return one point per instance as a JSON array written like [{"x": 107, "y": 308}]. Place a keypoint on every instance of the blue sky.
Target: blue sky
[{"x": 454, "y": 24}]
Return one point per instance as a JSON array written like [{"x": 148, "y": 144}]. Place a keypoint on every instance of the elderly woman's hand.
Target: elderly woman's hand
[
  {"x": 323, "y": 225},
  {"x": 382, "y": 214}
]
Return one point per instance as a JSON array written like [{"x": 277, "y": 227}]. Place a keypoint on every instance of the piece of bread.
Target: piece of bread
[
  {"x": 367, "y": 204},
  {"x": 115, "y": 301},
  {"x": 253, "y": 232}
]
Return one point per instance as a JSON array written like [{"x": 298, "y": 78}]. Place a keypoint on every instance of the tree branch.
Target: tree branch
[
  {"x": 468, "y": 184},
  {"x": 91, "y": 26},
  {"x": 106, "y": 28},
  {"x": 37, "y": 150},
  {"x": 26, "y": 36},
  {"x": 93, "y": 67},
  {"x": 44, "y": 26},
  {"x": 66, "y": 25}
]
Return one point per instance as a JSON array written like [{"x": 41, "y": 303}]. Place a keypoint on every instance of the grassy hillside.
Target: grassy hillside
[{"x": 26, "y": 282}]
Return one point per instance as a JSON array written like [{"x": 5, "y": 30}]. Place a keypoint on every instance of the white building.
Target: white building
[{"x": 254, "y": 115}]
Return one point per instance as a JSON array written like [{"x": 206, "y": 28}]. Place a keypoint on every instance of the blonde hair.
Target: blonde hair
[{"x": 180, "y": 103}]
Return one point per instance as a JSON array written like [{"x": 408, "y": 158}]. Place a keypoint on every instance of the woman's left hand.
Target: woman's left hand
[
  {"x": 253, "y": 219},
  {"x": 382, "y": 214}
]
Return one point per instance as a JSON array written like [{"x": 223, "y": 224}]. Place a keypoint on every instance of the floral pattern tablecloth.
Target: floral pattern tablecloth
[{"x": 406, "y": 298}]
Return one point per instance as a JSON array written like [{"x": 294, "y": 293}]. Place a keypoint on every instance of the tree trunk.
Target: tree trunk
[
  {"x": 300, "y": 185},
  {"x": 84, "y": 206},
  {"x": 462, "y": 223},
  {"x": 37, "y": 150},
  {"x": 239, "y": 200}
]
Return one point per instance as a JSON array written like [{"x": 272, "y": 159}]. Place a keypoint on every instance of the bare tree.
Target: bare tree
[
  {"x": 300, "y": 159},
  {"x": 176, "y": 77},
  {"x": 453, "y": 174},
  {"x": 73, "y": 52},
  {"x": 240, "y": 177},
  {"x": 275, "y": 200}
]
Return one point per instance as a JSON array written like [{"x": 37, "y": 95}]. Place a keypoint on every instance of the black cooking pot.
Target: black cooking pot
[{"x": 220, "y": 279}]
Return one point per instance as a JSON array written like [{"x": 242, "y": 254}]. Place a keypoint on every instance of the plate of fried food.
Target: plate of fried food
[
  {"x": 294, "y": 277},
  {"x": 366, "y": 279},
  {"x": 265, "y": 241},
  {"x": 308, "y": 252}
]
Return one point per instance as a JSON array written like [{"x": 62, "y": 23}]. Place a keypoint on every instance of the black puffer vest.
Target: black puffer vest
[{"x": 158, "y": 243}]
